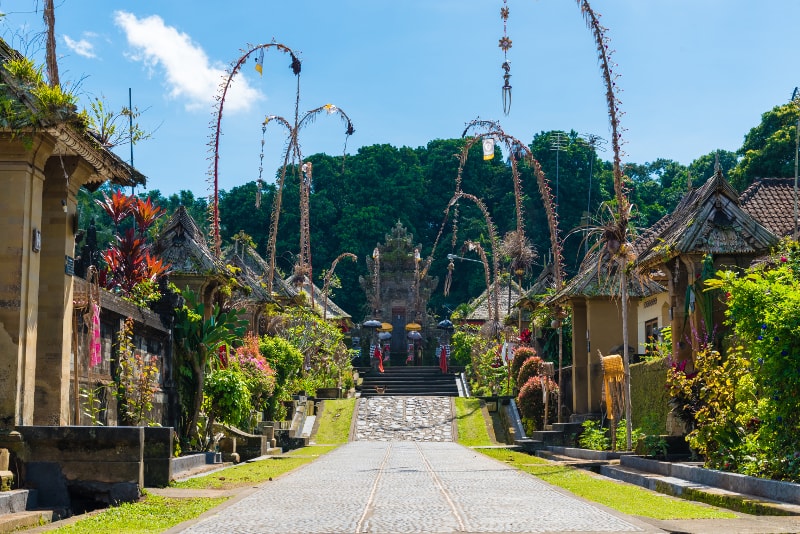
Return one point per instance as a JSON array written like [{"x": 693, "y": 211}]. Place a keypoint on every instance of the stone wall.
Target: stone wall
[{"x": 152, "y": 340}]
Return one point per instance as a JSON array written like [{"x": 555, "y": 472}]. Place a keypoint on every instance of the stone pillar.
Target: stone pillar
[
  {"x": 580, "y": 356},
  {"x": 63, "y": 176},
  {"x": 22, "y": 168},
  {"x": 6, "y": 476}
]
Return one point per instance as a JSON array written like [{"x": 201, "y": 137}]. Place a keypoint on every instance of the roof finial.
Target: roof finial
[{"x": 717, "y": 168}]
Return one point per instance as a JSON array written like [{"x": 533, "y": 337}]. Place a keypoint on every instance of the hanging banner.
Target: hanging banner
[{"x": 488, "y": 148}]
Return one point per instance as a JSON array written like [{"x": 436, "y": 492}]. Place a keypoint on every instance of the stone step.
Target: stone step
[
  {"x": 694, "y": 491},
  {"x": 27, "y": 519},
  {"x": 549, "y": 437}
]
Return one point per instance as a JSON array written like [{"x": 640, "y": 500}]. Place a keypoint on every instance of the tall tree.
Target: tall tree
[{"x": 768, "y": 149}]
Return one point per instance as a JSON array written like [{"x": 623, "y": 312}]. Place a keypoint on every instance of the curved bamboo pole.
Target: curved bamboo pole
[
  {"x": 619, "y": 231},
  {"x": 217, "y": 123}
]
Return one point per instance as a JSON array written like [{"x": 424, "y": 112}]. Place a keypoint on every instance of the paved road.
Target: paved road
[{"x": 414, "y": 483}]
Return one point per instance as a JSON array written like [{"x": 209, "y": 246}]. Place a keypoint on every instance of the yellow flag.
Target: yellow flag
[
  {"x": 488, "y": 148},
  {"x": 260, "y": 62}
]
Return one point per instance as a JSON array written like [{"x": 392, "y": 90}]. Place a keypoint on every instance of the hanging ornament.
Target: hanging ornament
[
  {"x": 260, "y": 182},
  {"x": 505, "y": 44},
  {"x": 448, "y": 281}
]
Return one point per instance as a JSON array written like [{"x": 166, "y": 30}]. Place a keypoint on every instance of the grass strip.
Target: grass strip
[
  {"x": 312, "y": 450},
  {"x": 624, "y": 498},
  {"x": 245, "y": 474},
  {"x": 334, "y": 423},
  {"x": 471, "y": 423},
  {"x": 151, "y": 514}
]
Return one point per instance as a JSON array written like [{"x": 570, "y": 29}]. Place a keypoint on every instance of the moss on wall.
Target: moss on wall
[{"x": 649, "y": 400}]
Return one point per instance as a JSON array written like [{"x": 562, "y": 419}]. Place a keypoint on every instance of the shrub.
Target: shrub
[
  {"x": 533, "y": 366},
  {"x": 530, "y": 400},
  {"x": 260, "y": 377},
  {"x": 487, "y": 374},
  {"x": 226, "y": 397},
  {"x": 520, "y": 355},
  {"x": 594, "y": 437}
]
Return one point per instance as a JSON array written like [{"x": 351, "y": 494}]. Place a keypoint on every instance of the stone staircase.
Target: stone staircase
[
  {"x": 556, "y": 435},
  {"x": 407, "y": 381}
]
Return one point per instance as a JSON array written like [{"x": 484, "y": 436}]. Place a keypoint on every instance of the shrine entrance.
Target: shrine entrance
[{"x": 398, "y": 294}]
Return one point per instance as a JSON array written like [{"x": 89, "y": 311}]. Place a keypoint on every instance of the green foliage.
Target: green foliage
[
  {"x": 137, "y": 381},
  {"x": 768, "y": 148},
  {"x": 462, "y": 343},
  {"x": 658, "y": 349},
  {"x": 486, "y": 372},
  {"x": 92, "y": 405},
  {"x": 197, "y": 341},
  {"x": 53, "y": 99},
  {"x": 25, "y": 70},
  {"x": 258, "y": 375},
  {"x": 287, "y": 361},
  {"x": 654, "y": 445},
  {"x": 749, "y": 408},
  {"x": 227, "y": 397},
  {"x": 594, "y": 436},
  {"x": 114, "y": 128}
]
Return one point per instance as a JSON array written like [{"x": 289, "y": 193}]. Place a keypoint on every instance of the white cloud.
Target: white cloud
[
  {"x": 82, "y": 48},
  {"x": 189, "y": 74}
]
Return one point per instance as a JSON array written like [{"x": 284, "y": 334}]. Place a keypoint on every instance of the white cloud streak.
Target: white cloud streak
[
  {"x": 82, "y": 48},
  {"x": 189, "y": 74}
]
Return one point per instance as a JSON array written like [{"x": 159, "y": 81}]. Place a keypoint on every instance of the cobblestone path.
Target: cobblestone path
[
  {"x": 405, "y": 419},
  {"x": 407, "y": 486}
]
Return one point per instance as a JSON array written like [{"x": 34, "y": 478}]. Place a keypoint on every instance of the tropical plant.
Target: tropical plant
[
  {"x": 226, "y": 397},
  {"x": 197, "y": 342},
  {"x": 287, "y": 361},
  {"x": 594, "y": 436},
  {"x": 128, "y": 261},
  {"x": 258, "y": 374},
  {"x": 137, "y": 380},
  {"x": 92, "y": 404}
]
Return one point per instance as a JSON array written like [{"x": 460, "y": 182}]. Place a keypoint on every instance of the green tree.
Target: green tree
[
  {"x": 769, "y": 148},
  {"x": 197, "y": 341}
]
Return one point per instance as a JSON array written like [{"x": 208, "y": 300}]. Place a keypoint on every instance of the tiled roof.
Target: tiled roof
[{"x": 771, "y": 202}]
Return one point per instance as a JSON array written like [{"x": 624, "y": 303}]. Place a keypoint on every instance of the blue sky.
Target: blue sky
[{"x": 696, "y": 75}]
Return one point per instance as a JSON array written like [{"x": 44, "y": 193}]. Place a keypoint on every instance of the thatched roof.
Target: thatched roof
[
  {"x": 254, "y": 271},
  {"x": 709, "y": 219},
  {"x": 182, "y": 244},
  {"x": 323, "y": 306},
  {"x": 508, "y": 294}
]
